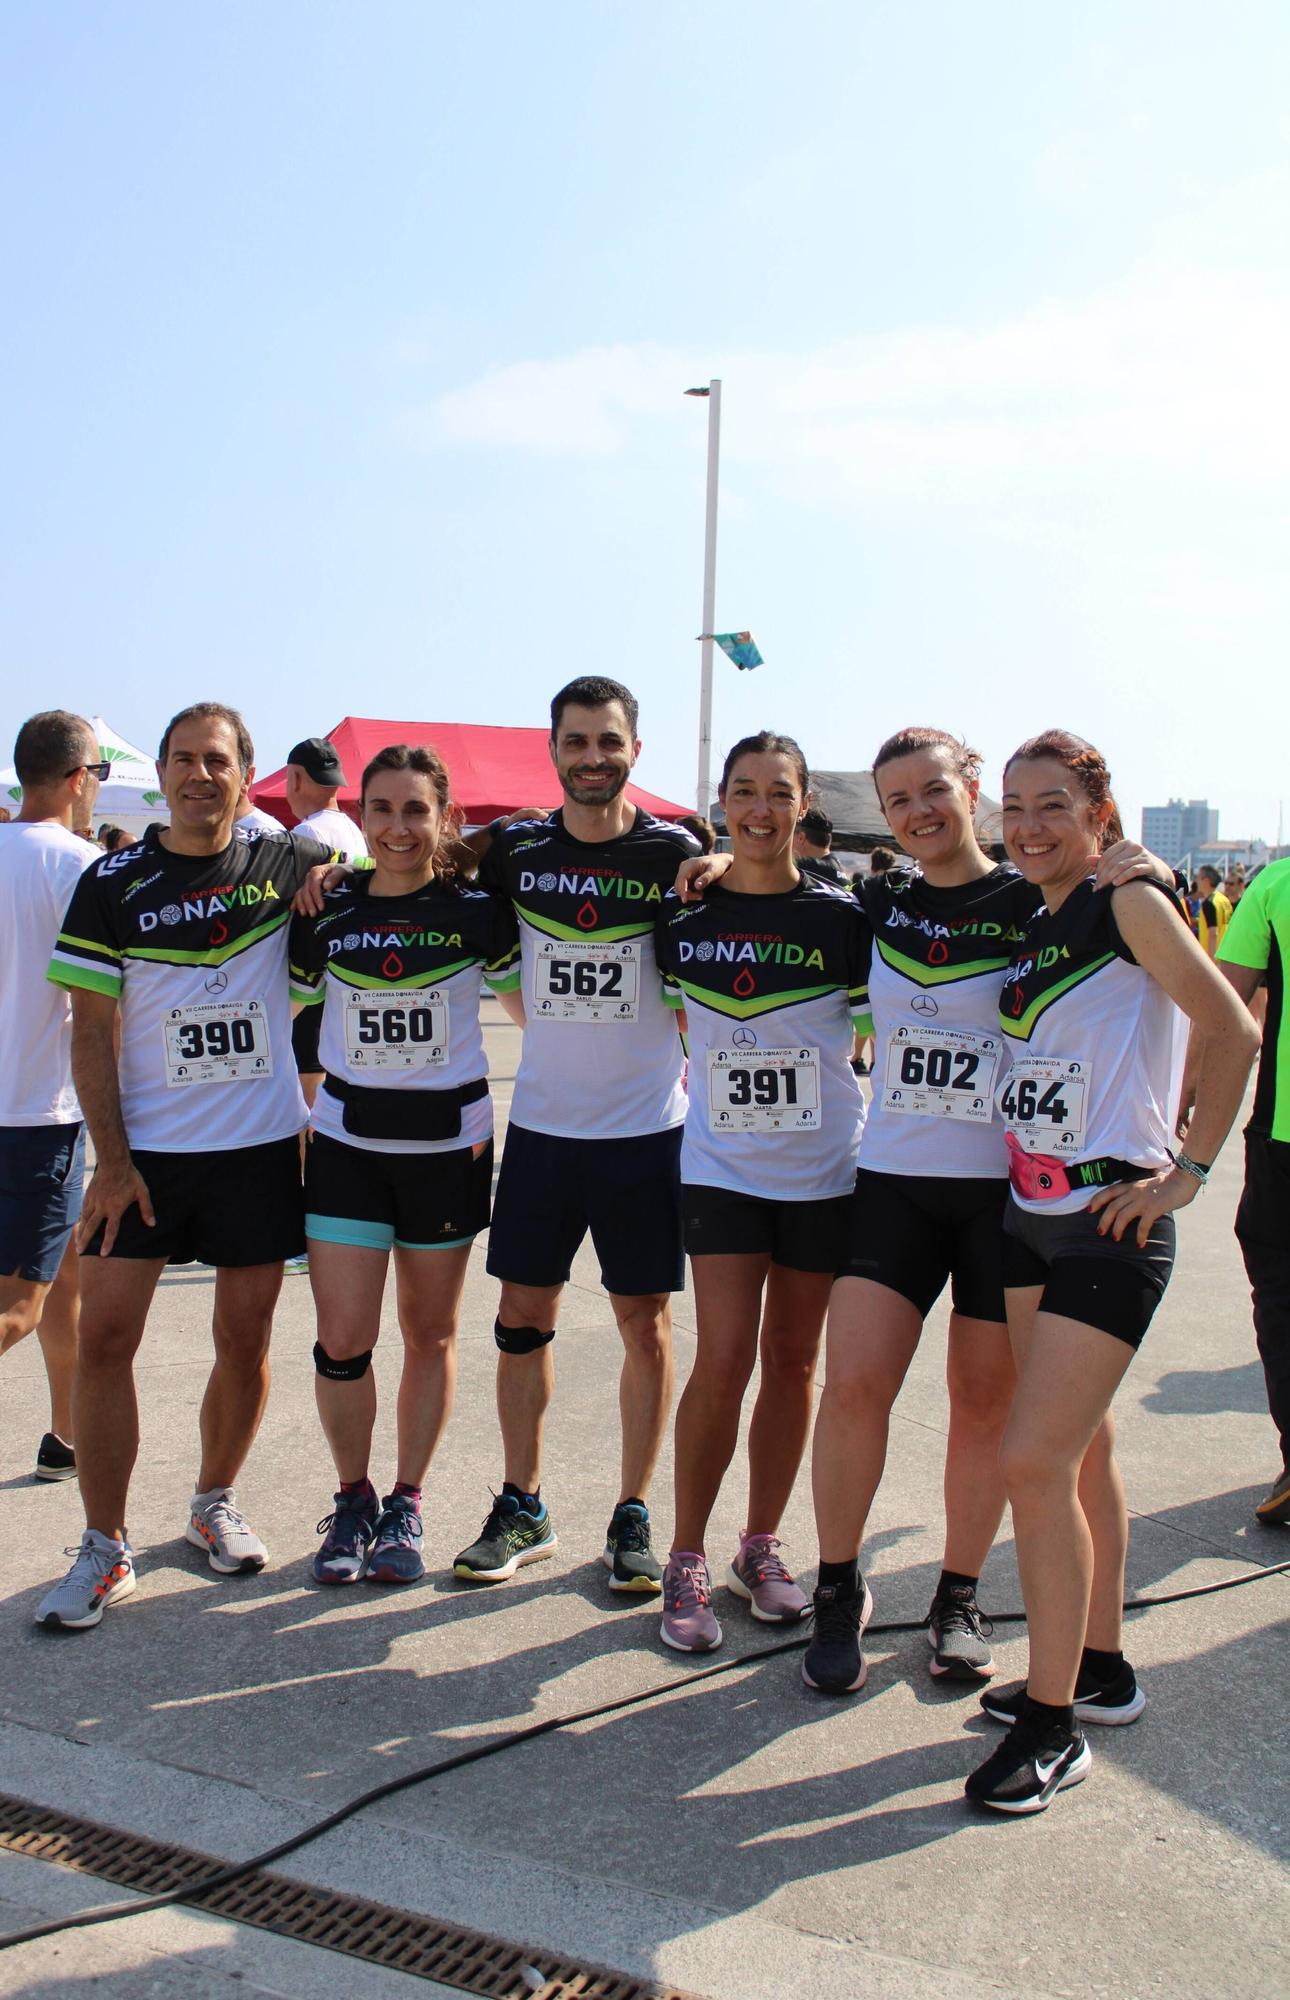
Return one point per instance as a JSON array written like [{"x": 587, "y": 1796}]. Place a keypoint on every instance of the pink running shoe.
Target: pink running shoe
[
  {"x": 758, "y": 1574},
  {"x": 689, "y": 1623}
]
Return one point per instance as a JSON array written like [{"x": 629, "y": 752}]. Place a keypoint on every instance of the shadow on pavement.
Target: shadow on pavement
[{"x": 1197, "y": 1392}]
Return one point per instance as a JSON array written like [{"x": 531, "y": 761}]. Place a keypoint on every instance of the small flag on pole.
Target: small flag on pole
[{"x": 739, "y": 647}]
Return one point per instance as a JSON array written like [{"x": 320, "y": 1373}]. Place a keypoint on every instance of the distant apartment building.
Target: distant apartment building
[{"x": 1176, "y": 830}]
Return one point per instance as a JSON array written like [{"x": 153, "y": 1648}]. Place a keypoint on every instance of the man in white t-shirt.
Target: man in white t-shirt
[
  {"x": 42, "y": 1141},
  {"x": 314, "y": 777}
]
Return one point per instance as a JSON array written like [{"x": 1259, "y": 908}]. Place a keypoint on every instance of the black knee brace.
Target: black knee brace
[
  {"x": 520, "y": 1339},
  {"x": 352, "y": 1370}
]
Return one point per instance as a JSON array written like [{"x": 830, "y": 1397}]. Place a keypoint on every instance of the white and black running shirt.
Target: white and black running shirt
[
  {"x": 40, "y": 865},
  {"x": 939, "y": 957},
  {"x": 194, "y": 948},
  {"x": 601, "y": 1057},
  {"x": 399, "y": 981},
  {"x": 1097, "y": 1046},
  {"x": 774, "y": 988}
]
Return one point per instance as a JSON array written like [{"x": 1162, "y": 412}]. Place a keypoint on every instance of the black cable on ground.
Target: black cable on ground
[{"x": 194, "y": 1892}]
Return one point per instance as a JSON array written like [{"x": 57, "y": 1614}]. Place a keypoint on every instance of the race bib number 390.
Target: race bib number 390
[
  {"x": 218, "y": 1041},
  {"x": 941, "y": 1073},
  {"x": 1044, "y": 1100},
  {"x": 598, "y": 983},
  {"x": 764, "y": 1090},
  {"x": 395, "y": 1028}
]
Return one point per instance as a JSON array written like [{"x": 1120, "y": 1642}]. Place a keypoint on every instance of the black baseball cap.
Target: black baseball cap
[{"x": 318, "y": 760}]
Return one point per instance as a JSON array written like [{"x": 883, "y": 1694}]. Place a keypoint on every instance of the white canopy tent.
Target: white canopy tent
[{"x": 130, "y": 797}]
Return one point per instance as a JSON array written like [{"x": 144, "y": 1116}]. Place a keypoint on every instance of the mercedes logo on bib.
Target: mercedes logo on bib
[
  {"x": 744, "y": 1038},
  {"x": 923, "y": 1003}
]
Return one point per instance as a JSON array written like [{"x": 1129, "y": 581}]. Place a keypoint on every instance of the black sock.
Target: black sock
[
  {"x": 1053, "y": 1714},
  {"x": 951, "y": 1578},
  {"x": 842, "y": 1577},
  {"x": 530, "y": 1502},
  {"x": 1102, "y": 1666}
]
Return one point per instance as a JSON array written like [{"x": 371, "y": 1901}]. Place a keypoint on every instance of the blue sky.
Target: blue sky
[{"x": 345, "y": 349}]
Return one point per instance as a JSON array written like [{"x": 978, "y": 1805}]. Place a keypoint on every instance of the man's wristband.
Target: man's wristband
[{"x": 1192, "y": 1167}]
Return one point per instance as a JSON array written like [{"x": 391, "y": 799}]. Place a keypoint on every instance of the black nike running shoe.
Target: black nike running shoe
[{"x": 1036, "y": 1760}]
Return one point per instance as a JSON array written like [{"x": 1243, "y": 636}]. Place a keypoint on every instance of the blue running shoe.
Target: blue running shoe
[
  {"x": 350, "y": 1532},
  {"x": 396, "y": 1549}
]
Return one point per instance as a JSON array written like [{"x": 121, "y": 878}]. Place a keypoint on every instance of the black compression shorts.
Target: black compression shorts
[
  {"x": 910, "y": 1232},
  {"x": 1112, "y": 1286}
]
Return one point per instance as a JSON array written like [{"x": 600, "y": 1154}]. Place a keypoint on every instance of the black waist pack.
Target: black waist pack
[{"x": 403, "y": 1114}]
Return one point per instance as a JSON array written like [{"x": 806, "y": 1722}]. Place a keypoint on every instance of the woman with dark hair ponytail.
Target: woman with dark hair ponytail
[{"x": 1093, "y": 1010}]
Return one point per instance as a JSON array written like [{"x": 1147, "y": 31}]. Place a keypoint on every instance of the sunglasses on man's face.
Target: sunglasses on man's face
[{"x": 101, "y": 771}]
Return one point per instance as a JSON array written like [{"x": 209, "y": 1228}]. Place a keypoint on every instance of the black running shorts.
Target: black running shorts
[
  {"x": 799, "y": 1235},
  {"x": 912, "y": 1232},
  {"x": 1115, "y": 1287},
  {"x": 233, "y": 1209},
  {"x": 627, "y": 1192},
  {"x": 420, "y": 1201}
]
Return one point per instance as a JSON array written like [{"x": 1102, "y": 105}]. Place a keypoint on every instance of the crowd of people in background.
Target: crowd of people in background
[{"x": 275, "y": 1039}]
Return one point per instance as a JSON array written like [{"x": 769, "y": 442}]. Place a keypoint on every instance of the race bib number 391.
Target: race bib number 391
[
  {"x": 764, "y": 1090},
  {"x": 591, "y": 982},
  {"x": 941, "y": 1073},
  {"x": 1044, "y": 1100},
  {"x": 395, "y": 1028},
  {"x": 217, "y": 1041}
]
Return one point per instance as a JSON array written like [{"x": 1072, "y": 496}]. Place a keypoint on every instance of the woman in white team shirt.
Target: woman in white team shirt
[
  {"x": 400, "y": 1154},
  {"x": 1092, "y": 1006},
  {"x": 770, "y": 969}
]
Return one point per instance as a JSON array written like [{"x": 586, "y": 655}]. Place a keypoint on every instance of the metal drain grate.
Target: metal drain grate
[{"x": 470, "y": 1960}]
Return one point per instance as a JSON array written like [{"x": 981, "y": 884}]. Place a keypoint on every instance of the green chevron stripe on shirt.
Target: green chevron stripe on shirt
[
  {"x": 603, "y": 933},
  {"x": 938, "y": 975},
  {"x": 1022, "y": 1029}
]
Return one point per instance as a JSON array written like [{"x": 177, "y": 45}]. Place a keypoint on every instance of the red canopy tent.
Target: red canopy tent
[{"x": 493, "y": 769}]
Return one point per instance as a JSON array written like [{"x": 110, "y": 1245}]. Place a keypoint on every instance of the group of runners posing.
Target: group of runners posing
[{"x": 1029, "y": 1024}]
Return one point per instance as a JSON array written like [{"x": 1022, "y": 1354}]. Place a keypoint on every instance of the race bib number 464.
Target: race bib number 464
[
  {"x": 941, "y": 1073},
  {"x": 764, "y": 1090},
  {"x": 1044, "y": 1100},
  {"x": 591, "y": 982},
  {"x": 218, "y": 1041},
  {"x": 395, "y": 1028}
]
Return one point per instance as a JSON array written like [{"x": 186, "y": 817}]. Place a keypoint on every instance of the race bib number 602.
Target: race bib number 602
[
  {"x": 941, "y": 1073},
  {"x": 764, "y": 1090},
  {"x": 217, "y": 1041}
]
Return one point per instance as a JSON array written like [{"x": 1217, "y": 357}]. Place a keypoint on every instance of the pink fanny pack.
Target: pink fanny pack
[{"x": 1040, "y": 1177}]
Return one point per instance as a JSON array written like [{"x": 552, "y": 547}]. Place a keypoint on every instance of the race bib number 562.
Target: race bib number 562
[
  {"x": 591, "y": 982},
  {"x": 764, "y": 1090}
]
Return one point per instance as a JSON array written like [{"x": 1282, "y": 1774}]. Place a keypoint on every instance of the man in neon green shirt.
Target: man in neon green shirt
[{"x": 1255, "y": 948}]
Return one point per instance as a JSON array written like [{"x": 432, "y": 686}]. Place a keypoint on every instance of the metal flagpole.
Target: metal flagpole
[{"x": 704, "y": 791}]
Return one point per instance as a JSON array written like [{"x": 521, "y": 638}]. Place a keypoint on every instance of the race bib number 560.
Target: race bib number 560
[
  {"x": 764, "y": 1090},
  {"x": 395, "y": 1027},
  {"x": 1044, "y": 1100},
  {"x": 217, "y": 1042}
]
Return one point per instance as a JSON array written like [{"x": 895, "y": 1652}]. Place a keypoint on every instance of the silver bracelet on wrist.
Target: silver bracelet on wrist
[{"x": 1192, "y": 1167}]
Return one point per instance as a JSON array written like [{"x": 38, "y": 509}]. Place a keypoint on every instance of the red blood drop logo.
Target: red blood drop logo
[
  {"x": 938, "y": 953},
  {"x": 588, "y": 917},
  {"x": 219, "y": 933},
  {"x": 744, "y": 984},
  {"x": 392, "y": 966}
]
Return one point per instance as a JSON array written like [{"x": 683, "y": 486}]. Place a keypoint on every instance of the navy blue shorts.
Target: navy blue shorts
[
  {"x": 627, "y": 1192},
  {"x": 42, "y": 1172}
]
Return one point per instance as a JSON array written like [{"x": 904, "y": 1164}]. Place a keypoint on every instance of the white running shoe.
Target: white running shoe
[
  {"x": 216, "y": 1525},
  {"x": 102, "y": 1574}
]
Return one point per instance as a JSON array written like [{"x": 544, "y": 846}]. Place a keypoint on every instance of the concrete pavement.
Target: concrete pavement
[{"x": 740, "y": 1839}]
